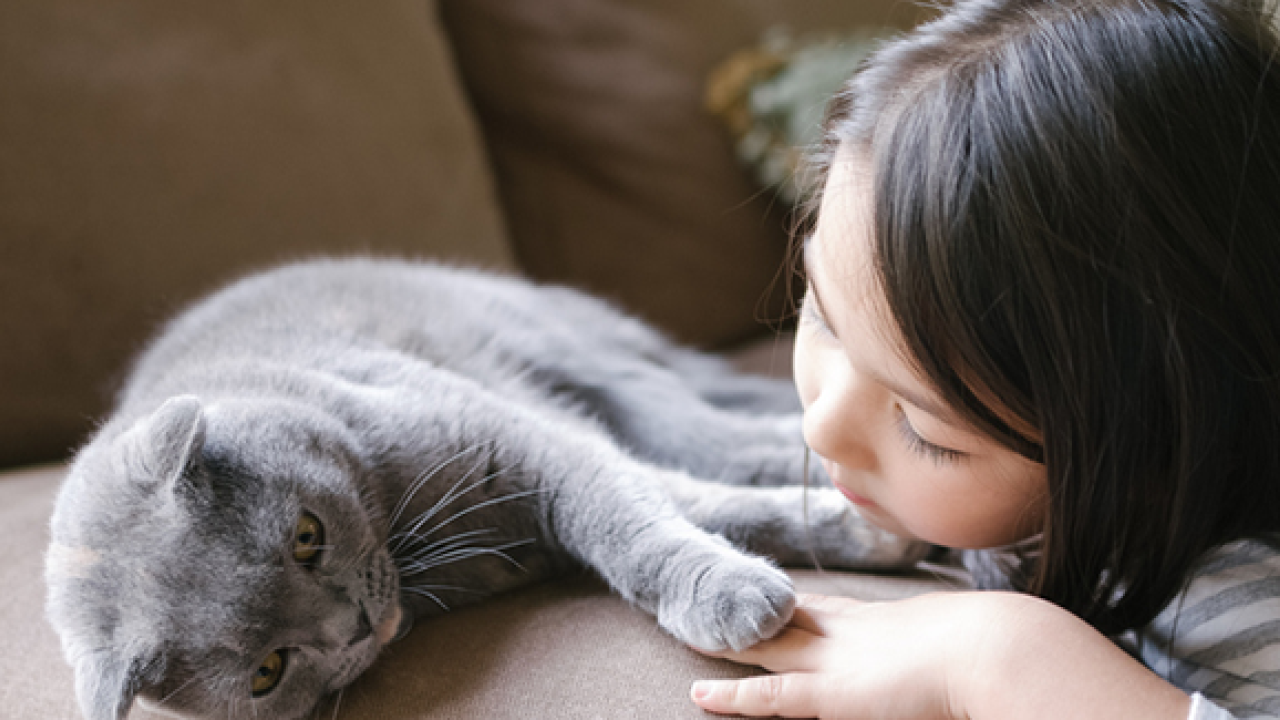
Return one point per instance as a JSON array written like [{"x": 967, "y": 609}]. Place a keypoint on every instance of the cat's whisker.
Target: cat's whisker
[
  {"x": 450, "y": 496},
  {"x": 177, "y": 690},
  {"x": 422, "y": 479},
  {"x": 465, "y": 554},
  {"x": 450, "y": 539},
  {"x": 447, "y": 550},
  {"x": 408, "y": 538},
  {"x": 447, "y": 544},
  {"x": 428, "y": 594},
  {"x": 338, "y": 703},
  {"x": 487, "y": 503},
  {"x": 447, "y": 587},
  {"x": 453, "y": 492},
  {"x": 418, "y": 559},
  {"x": 237, "y": 688}
]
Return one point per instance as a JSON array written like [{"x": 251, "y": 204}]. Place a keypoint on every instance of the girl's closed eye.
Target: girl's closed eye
[{"x": 918, "y": 445}]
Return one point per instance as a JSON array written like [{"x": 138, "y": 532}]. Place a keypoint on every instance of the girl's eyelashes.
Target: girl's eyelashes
[{"x": 924, "y": 448}]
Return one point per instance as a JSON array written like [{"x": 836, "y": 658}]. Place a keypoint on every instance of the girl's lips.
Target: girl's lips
[{"x": 854, "y": 497}]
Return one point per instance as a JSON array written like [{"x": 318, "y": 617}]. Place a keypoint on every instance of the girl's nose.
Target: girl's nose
[{"x": 837, "y": 422}]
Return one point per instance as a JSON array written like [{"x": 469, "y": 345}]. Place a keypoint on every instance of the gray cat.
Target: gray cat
[{"x": 310, "y": 459}]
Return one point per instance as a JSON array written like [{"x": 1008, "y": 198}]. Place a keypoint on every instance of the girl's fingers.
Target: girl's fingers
[
  {"x": 814, "y": 613},
  {"x": 828, "y": 603},
  {"x": 788, "y": 696},
  {"x": 802, "y": 645},
  {"x": 789, "y": 651}
]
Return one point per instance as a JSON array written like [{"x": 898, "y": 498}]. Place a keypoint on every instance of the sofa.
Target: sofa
[{"x": 151, "y": 150}]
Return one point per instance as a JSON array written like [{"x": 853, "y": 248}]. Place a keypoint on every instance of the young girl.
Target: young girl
[{"x": 1043, "y": 330}]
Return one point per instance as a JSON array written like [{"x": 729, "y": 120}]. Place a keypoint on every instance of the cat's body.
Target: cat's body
[{"x": 451, "y": 434}]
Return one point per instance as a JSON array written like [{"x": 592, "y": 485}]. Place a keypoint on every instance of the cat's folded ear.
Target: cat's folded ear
[
  {"x": 165, "y": 444},
  {"x": 106, "y": 684}
]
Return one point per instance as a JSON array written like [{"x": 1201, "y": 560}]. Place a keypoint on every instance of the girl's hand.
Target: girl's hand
[
  {"x": 974, "y": 655},
  {"x": 842, "y": 658}
]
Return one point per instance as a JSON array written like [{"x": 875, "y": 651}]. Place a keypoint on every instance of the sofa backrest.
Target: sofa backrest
[
  {"x": 150, "y": 150},
  {"x": 613, "y": 174}
]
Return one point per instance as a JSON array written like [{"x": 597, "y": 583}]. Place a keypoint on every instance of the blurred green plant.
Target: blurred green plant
[{"x": 772, "y": 98}]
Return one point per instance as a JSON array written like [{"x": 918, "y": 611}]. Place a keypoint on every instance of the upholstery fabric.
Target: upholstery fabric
[
  {"x": 154, "y": 149},
  {"x": 563, "y": 650},
  {"x": 612, "y": 175}
]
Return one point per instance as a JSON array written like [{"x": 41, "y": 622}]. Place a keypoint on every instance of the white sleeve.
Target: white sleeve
[{"x": 1202, "y": 709}]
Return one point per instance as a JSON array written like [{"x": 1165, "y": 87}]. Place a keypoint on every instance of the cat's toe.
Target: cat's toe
[{"x": 730, "y": 605}]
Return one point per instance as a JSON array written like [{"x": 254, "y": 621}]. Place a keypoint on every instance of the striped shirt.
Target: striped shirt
[{"x": 1218, "y": 641}]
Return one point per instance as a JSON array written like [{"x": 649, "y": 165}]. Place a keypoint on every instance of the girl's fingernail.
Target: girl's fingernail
[{"x": 702, "y": 689}]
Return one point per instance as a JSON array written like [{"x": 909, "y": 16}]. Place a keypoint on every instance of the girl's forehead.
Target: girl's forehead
[
  {"x": 841, "y": 247},
  {"x": 839, "y": 260}
]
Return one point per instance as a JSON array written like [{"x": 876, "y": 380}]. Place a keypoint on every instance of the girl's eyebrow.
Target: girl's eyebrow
[
  {"x": 809, "y": 265},
  {"x": 928, "y": 405}
]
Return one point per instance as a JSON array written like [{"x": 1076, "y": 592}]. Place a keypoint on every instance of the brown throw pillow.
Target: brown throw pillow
[{"x": 613, "y": 175}]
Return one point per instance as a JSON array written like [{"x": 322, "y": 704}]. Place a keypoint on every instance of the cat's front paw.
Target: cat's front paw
[{"x": 734, "y": 603}]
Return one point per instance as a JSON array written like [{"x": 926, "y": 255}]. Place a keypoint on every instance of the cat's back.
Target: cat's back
[
  {"x": 296, "y": 310},
  {"x": 313, "y": 314}
]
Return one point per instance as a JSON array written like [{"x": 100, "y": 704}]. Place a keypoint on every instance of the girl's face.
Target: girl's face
[{"x": 887, "y": 441}]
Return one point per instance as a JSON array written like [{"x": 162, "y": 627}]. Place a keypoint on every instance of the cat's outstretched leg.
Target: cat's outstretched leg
[
  {"x": 656, "y": 415},
  {"x": 719, "y": 383},
  {"x": 591, "y": 501},
  {"x": 611, "y": 513},
  {"x": 793, "y": 525},
  {"x": 599, "y": 332}
]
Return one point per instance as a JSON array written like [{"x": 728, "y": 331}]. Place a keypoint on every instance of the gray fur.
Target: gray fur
[{"x": 458, "y": 434}]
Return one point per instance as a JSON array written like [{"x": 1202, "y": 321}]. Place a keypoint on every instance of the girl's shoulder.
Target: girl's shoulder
[
  {"x": 1221, "y": 636},
  {"x": 1236, "y": 562}
]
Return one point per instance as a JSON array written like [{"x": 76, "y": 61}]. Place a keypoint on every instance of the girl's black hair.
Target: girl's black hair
[{"x": 1077, "y": 228}]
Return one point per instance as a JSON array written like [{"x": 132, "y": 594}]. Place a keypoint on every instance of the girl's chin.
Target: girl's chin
[{"x": 878, "y": 517}]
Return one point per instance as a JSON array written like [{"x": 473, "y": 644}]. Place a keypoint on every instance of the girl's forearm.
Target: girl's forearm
[{"x": 1049, "y": 664}]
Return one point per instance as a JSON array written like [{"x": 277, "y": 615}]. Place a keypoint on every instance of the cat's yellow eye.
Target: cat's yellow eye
[
  {"x": 268, "y": 674},
  {"x": 308, "y": 537}
]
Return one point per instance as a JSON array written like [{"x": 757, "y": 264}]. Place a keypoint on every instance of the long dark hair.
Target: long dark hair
[{"x": 1077, "y": 228}]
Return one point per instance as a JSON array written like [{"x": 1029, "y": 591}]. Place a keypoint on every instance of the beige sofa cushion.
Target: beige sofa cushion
[
  {"x": 152, "y": 149},
  {"x": 565, "y": 649},
  {"x": 613, "y": 176}
]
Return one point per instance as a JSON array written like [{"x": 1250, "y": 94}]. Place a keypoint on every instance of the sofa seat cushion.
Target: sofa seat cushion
[{"x": 564, "y": 649}]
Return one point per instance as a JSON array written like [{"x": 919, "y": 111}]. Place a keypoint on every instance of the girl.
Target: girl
[{"x": 1041, "y": 330}]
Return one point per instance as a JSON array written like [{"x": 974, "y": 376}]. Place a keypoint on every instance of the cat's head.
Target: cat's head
[{"x": 219, "y": 561}]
